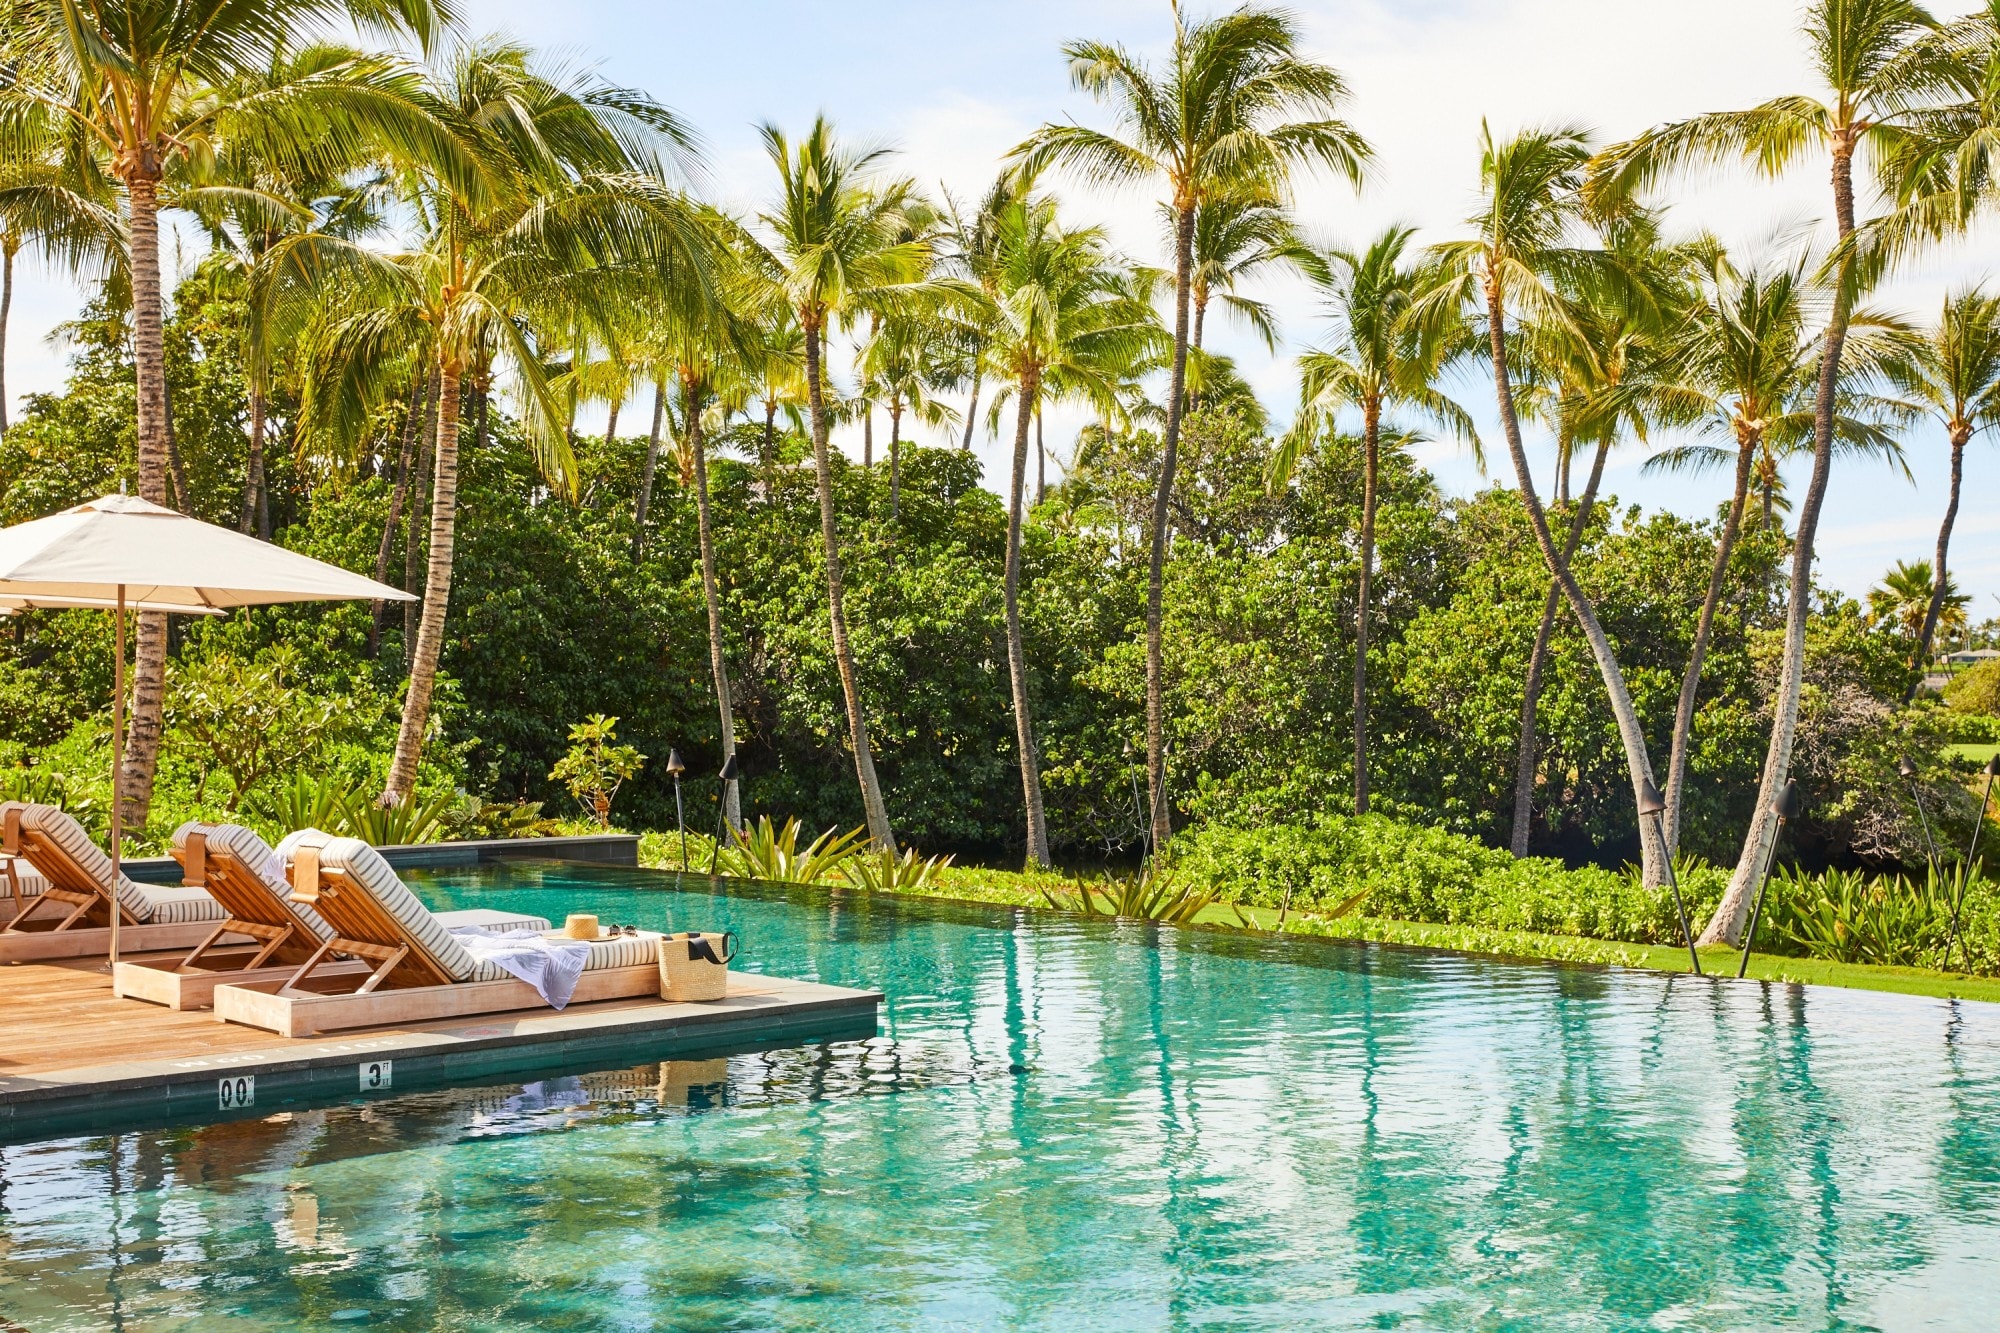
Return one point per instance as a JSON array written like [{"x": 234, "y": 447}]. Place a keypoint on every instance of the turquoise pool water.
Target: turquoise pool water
[{"x": 1065, "y": 1125}]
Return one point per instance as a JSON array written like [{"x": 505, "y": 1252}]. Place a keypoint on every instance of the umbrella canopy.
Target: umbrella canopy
[{"x": 164, "y": 561}]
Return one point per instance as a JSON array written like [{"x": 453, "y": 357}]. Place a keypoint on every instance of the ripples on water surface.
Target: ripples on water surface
[{"x": 1068, "y": 1125}]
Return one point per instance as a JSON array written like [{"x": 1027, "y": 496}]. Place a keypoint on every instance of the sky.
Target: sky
[{"x": 951, "y": 86}]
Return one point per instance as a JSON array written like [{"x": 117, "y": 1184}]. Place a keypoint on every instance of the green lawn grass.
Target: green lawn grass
[
  {"x": 1008, "y": 888},
  {"x": 1000, "y": 886},
  {"x": 1977, "y": 753}
]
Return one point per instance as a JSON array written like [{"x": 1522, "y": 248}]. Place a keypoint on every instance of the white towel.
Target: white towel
[{"x": 550, "y": 966}]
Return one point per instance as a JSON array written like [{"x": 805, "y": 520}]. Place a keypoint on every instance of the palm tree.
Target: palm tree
[
  {"x": 1059, "y": 322},
  {"x": 1953, "y": 376},
  {"x": 1746, "y": 365},
  {"x": 1531, "y": 189},
  {"x": 900, "y": 366},
  {"x": 1902, "y": 602},
  {"x": 974, "y": 241},
  {"x": 1234, "y": 238},
  {"x": 147, "y": 85},
  {"x": 1381, "y": 360},
  {"x": 1233, "y": 114},
  {"x": 247, "y": 200},
  {"x": 836, "y": 249},
  {"x": 570, "y": 205},
  {"x": 1880, "y": 77},
  {"x": 703, "y": 350}
]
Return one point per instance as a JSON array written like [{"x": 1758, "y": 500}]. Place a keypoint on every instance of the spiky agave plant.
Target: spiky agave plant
[
  {"x": 1150, "y": 895},
  {"x": 770, "y": 852}
]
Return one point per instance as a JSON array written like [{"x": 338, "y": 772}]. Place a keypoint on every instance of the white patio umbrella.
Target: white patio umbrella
[{"x": 124, "y": 554}]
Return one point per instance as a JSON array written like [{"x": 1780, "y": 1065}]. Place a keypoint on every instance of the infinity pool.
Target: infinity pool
[{"x": 1069, "y": 1125}]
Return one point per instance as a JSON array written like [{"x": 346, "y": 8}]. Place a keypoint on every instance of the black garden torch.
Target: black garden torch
[
  {"x": 726, "y": 776},
  {"x": 1908, "y": 771},
  {"x": 676, "y": 766},
  {"x": 1651, "y": 803},
  {"x": 1971, "y": 859},
  {"x": 1786, "y": 808}
]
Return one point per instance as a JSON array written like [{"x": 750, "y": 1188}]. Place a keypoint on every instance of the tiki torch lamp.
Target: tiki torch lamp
[
  {"x": 1786, "y": 808},
  {"x": 1909, "y": 772},
  {"x": 676, "y": 766},
  {"x": 1971, "y": 853},
  {"x": 726, "y": 776},
  {"x": 1653, "y": 805}
]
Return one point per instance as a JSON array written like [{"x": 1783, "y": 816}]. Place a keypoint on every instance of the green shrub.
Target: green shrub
[
  {"x": 1375, "y": 866},
  {"x": 1976, "y": 690}
]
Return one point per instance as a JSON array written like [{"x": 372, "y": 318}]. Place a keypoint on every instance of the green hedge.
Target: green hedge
[{"x": 1378, "y": 867}]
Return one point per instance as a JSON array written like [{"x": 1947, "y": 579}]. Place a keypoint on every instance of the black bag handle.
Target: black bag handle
[{"x": 701, "y": 949}]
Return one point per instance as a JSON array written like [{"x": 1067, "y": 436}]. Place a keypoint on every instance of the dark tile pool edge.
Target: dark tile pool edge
[
  {"x": 333, "y": 1070},
  {"x": 603, "y": 849}
]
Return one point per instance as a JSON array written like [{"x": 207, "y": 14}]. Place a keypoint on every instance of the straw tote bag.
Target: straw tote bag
[{"x": 694, "y": 966}]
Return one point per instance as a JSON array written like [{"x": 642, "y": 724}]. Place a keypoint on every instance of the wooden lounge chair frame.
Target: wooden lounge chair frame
[
  {"x": 86, "y": 930},
  {"x": 406, "y": 985},
  {"x": 257, "y": 912}
]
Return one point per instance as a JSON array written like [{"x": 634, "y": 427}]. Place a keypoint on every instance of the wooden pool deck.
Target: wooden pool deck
[{"x": 73, "y": 1057}]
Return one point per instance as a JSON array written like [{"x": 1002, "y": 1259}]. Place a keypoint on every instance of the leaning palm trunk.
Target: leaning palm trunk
[
  {"x": 149, "y": 659},
  {"x": 1730, "y": 915},
  {"x": 876, "y": 812},
  {"x": 6, "y": 304},
  {"x": 1017, "y": 658},
  {"x": 413, "y": 530},
  {"x": 732, "y": 806},
  {"x": 397, "y": 499},
  {"x": 1718, "y": 575},
  {"x": 1527, "y": 758},
  {"x": 253, "y": 472},
  {"x": 895, "y": 461},
  {"x": 1652, "y": 859},
  {"x": 437, "y": 596},
  {"x": 648, "y": 472},
  {"x": 1371, "y": 443},
  {"x": 1156, "y": 715},
  {"x": 971, "y": 406},
  {"x": 1959, "y": 435}
]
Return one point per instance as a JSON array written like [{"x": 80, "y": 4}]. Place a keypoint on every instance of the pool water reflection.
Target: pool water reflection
[{"x": 1073, "y": 1125}]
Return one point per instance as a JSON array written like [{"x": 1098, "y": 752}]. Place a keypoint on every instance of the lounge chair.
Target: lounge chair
[
  {"x": 71, "y": 918},
  {"x": 419, "y": 971},
  {"x": 247, "y": 877},
  {"x": 19, "y": 882}
]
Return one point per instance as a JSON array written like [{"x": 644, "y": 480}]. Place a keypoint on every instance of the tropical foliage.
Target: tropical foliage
[{"x": 422, "y": 266}]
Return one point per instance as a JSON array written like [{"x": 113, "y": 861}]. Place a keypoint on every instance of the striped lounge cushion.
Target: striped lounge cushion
[
  {"x": 624, "y": 951},
  {"x": 147, "y": 904},
  {"x": 31, "y": 880},
  {"x": 365, "y": 866},
  {"x": 248, "y": 847}
]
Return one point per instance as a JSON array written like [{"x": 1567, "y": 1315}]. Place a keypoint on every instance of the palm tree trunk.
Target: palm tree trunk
[
  {"x": 767, "y": 461},
  {"x": 437, "y": 596},
  {"x": 872, "y": 805},
  {"x": 611, "y": 426},
  {"x": 1200, "y": 317},
  {"x": 397, "y": 498},
  {"x": 1017, "y": 659},
  {"x": 971, "y": 407},
  {"x": 149, "y": 664},
  {"x": 1041, "y": 460},
  {"x": 1652, "y": 861},
  {"x": 649, "y": 471},
  {"x": 895, "y": 459},
  {"x": 1156, "y": 716},
  {"x": 1371, "y": 443},
  {"x": 1528, "y": 756},
  {"x": 1734, "y": 909},
  {"x": 1938, "y": 585},
  {"x": 413, "y": 531},
  {"x": 1718, "y": 575},
  {"x": 7, "y": 249},
  {"x": 732, "y": 802},
  {"x": 253, "y": 472},
  {"x": 176, "y": 470}
]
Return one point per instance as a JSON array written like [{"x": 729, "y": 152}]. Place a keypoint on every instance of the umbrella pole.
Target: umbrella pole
[{"x": 117, "y": 762}]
